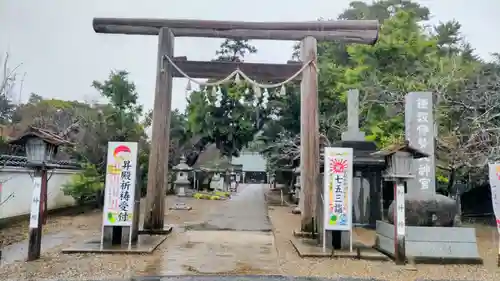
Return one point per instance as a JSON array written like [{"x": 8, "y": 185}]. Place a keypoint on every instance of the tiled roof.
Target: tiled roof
[
  {"x": 363, "y": 154},
  {"x": 20, "y": 161}
]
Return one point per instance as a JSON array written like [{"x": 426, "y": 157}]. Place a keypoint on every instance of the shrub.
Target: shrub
[
  {"x": 223, "y": 194},
  {"x": 85, "y": 186}
]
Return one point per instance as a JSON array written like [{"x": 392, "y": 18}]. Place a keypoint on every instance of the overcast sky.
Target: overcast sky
[{"x": 61, "y": 55}]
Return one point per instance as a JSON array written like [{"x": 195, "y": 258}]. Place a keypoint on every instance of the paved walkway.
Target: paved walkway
[
  {"x": 235, "y": 239},
  {"x": 246, "y": 211}
]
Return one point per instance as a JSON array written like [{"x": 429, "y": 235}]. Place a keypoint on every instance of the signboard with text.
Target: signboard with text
[
  {"x": 420, "y": 132},
  {"x": 338, "y": 188},
  {"x": 120, "y": 184}
]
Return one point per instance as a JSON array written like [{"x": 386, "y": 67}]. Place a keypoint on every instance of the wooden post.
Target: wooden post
[
  {"x": 309, "y": 133},
  {"x": 45, "y": 212},
  {"x": 498, "y": 255},
  {"x": 35, "y": 231},
  {"x": 137, "y": 202},
  {"x": 160, "y": 141},
  {"x": 399, "y": 223}
]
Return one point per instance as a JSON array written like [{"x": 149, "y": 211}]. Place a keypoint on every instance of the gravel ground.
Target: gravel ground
[
  {"x": 284, "y": 222},
  {"x": 18, "y": 231},
  {"x": 55, "y": 265}
]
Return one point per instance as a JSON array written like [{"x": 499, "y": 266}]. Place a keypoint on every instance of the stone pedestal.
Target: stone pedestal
[
  {"x": 339, "y": 240},
  {"x": 181, "y": 186},
  {"x": 115, "y": 235},
  {"x": 432, "y": 244}
]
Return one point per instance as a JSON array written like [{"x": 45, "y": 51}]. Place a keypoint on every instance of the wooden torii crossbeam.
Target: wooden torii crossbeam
[
  {"x": 221, "y": 69},
  {"x": 361, "y": 32}
]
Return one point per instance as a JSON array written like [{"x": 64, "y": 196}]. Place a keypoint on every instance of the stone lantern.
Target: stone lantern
[
  {"x": 399, "y": 169},
  {"x": 296, "y": 185},
  {"x": 41, "y": 147},
  {"x": 182, "y": 181},
  {"x": 399, "y": 162},
  {"x": 296, "y": 191}
]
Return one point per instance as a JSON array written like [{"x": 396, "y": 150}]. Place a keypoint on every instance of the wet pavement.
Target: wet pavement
[
  {"x": 239, "y": 241},
  {"x": 19, "y": 251},
  {"x": 245, "y": 211},
  {"x": 217, "y": 252},
  {"x": 236, "y": 243},
  {"x": 234, "y": 239},
  {"x": 250, "y": 278}
]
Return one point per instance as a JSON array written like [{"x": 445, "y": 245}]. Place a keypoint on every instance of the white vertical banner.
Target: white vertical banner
[
  {"x": 400, "y": 209},
  {"x": 494, "y": 176},
  {"x": 120, "y": 184},
  {"x": 337, "y": 184},
  {"x": 35, "y": 202}
]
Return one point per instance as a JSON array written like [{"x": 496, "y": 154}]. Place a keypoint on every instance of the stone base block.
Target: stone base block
[
  {"x": 165, "y": 231},
  {"x": 181, "y": 206},
  {"x": 443, "y": 245},
  {"x": 145, "y": 245},
  {"x": 309, "y": 248}
]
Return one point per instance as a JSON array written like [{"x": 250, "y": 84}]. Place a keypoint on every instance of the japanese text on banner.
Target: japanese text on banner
[
  {"x": 338, "y": 174},
  {"x": 120, "y": 183}
]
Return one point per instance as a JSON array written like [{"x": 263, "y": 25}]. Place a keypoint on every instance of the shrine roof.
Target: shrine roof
[
  {"x": 405, "y": 147},
  {"x": 363, "y": 154}
]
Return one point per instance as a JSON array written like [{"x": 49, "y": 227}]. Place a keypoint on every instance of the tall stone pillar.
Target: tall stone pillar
[{"x": 420, "y": 132}]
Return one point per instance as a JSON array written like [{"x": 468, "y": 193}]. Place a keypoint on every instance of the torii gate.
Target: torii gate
[{"x": 360, "y": 31}]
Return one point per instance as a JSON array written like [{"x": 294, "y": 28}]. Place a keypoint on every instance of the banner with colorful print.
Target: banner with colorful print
[
  {"x": 494, "y": 175},
  {"x": 120, "y": 187},
  {"x": 338, "y": 188}
]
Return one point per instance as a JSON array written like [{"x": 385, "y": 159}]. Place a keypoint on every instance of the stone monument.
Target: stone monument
[
  {"x": 430, "y": 232},
  {"x": 353, "y": 133},
  {"x": 420, "y": 132},
  {"x": 217, "y": 183},
  {"x": 361, "y": 186},
  {"x": 366, "y": 175}
]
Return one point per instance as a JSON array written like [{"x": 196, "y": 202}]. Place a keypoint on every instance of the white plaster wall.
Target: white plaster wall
[
  {"x": 251, "y": 161},
  {"x": 16, "y": 188}
]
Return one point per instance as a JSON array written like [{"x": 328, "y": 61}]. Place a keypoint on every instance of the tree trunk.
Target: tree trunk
[
  {"x": 455, "y": 195},
  {"x": 451, "y": 180},
  {"x": 458, "y": 217}
]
